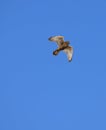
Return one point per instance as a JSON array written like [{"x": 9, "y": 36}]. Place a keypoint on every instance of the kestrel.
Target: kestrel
[{"x": 62, "y": 46}]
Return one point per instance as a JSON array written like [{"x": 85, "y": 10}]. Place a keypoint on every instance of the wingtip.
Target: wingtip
[
  {"x": 49, "y": 38},
  {"x": 70, "y": 60}
]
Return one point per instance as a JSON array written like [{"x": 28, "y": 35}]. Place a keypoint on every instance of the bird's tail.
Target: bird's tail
[{"x": 56, "y": 52}]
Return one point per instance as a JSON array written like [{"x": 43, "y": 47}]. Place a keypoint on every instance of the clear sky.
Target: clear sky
[{"x": 39, "y": 91}]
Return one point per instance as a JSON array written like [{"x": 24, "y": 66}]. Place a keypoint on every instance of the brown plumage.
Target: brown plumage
[{"x": 62, "y": 46}]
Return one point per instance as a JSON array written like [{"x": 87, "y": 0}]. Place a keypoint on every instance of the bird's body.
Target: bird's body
[{"x": 62, "y": 46}]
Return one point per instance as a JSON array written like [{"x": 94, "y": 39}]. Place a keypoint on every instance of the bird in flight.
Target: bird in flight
[{"x": 62, "y": 46}]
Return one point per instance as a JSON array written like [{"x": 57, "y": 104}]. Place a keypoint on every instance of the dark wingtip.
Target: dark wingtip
[
  {"x": 49, "y": 38},
  {"x": 70, "y": 60}
]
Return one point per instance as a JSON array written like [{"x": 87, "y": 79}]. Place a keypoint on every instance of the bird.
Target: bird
[{"x": 62, "y": 46}]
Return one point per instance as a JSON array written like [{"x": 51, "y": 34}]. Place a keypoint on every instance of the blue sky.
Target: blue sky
[{"x": 40, "y": 91}]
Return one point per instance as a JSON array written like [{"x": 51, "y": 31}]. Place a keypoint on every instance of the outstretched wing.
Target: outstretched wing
[
  {"x": 58, "y": 39},
  {"x": 69, "y": 52}
]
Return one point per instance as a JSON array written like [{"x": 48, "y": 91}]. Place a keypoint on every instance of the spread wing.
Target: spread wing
[
  {"x": 58, "y": 39},
  {"x": 69, "y": 52}
]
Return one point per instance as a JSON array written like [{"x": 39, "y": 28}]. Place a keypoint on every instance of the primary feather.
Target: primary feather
[
  {"x": 58, "y": 39},
  {"x": 69, "y": 52}
]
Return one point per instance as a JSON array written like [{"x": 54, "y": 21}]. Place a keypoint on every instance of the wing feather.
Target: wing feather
[
  {"x": 58, "y": 39},
  {"x": 69, "y": 52}
]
